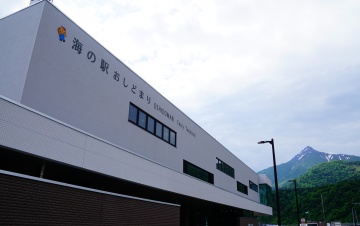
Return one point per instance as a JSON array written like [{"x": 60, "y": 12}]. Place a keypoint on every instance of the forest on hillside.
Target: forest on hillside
[
  {"x": 329, "y": 173},
  {"x": 327, "y": 192}
]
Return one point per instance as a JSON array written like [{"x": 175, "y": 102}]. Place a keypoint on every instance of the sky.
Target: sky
[{"x": 243, "y": 70}]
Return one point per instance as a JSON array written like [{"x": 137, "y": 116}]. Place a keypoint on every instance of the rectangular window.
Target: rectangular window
[
  {"x": 242, "y": 188},
  {"x": 265, "y": 194},
  {"x": 159, "y": 127},
  {"x": 133, "y": 111},
  {"x": 197, "y": 172},
  {"x": 253, "y": 186},
  {"x": 166, "y": 134},
  {"x": 172, "y": 138},
  {"x": 151, "y": 125},
  {"x": 225, "y": 168},
  {"x": 142, "y": 119}
]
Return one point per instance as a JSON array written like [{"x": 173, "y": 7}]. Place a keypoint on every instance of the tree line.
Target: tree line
[{"x": 325, "y": 193}]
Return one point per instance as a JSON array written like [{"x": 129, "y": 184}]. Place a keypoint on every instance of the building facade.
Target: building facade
[{"x": 74, "y": 114}]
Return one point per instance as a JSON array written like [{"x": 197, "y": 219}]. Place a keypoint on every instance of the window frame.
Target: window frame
[
  {"x": 239, "y": 184},
  {"x": 186, "y": 170},
  {"x": 225, "y": 168},
  {"x": 253, "y": 186},
  {"x": 135, "y": 118}
]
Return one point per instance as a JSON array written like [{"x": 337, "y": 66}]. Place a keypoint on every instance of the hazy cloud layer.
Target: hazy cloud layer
[{"x": 243, "y": 70}]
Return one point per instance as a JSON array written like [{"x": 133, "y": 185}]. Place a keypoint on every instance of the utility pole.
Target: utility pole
[
  {"x": 276, "y": 179},
  {"x": 322, "y": 203},
  {"x": 353, "y": 212},
  {"x": 297, "y": 203}
]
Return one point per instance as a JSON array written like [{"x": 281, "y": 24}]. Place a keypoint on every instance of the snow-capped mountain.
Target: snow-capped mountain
[{"x": 302, "y": 162}]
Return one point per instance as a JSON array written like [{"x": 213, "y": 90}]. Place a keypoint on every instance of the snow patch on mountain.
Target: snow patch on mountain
[
  {"x": 328, "y": 157},
  {"x": 301, "y": 157}
]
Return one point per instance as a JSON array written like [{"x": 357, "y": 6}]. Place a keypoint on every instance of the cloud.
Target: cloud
[
  {"x": 243, "y": 70},
  {"x": 9, "y": 7},
  {"x": 252, "y": 71}
]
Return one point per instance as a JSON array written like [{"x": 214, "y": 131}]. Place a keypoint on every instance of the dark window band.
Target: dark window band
[
  {"x": 225, "y": 168},
  {"x": 151, "y": 125},
  {"x": 253, "y": 186},
  {"x": 242, "y": 188},
  {"x": 197, "y": 172}
]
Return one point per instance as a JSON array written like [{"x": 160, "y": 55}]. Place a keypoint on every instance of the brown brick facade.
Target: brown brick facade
[
  {"x": 30, "y": 202},
  {"x": 247, "y": 221}
]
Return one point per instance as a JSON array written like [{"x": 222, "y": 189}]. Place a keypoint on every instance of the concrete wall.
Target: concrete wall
[
  {"x": 31, "y": 132},
  {"x": 70, "y": 86},
  {"x": 17, "y": 40}
]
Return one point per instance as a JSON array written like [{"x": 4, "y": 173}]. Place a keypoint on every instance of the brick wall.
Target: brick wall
[
  {"x": 30, "y": 202},
  {"x": 247, "y": 221}
]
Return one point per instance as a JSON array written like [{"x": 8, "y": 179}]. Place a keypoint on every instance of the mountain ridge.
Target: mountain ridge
[{"x": 302, "y": 162}]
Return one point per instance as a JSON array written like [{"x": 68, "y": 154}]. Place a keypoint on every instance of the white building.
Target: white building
[{"x": 71, "y": 113}]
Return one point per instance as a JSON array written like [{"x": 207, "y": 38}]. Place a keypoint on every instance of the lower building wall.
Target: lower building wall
[
  {"x": 25, "y": 201},
  {"x": 32, "y": 133},
  {"x": 247, "y": 221}
]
